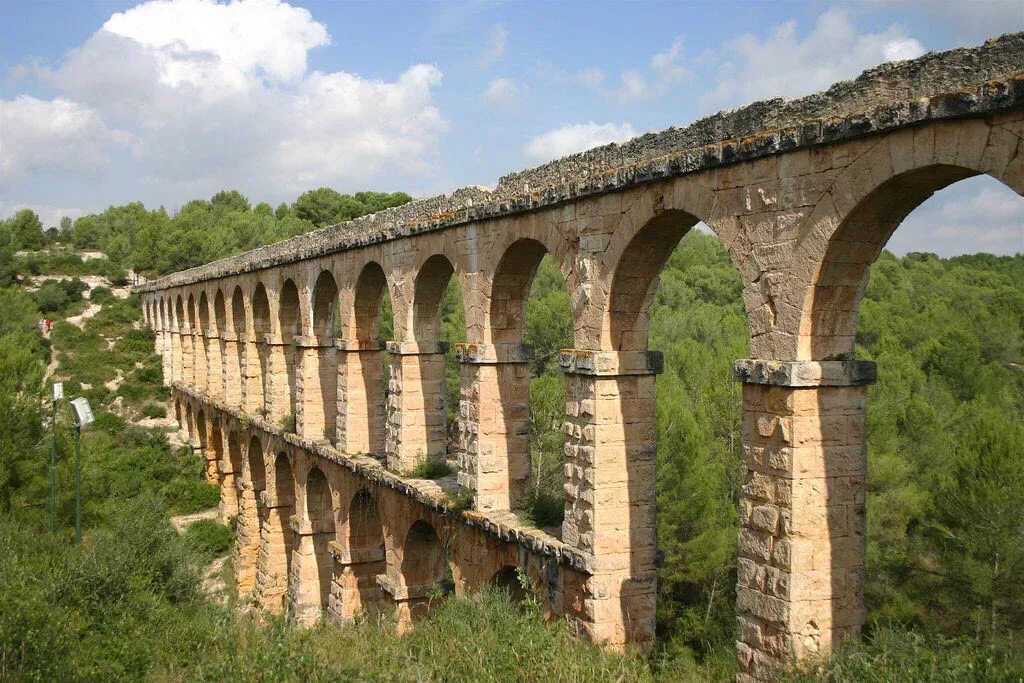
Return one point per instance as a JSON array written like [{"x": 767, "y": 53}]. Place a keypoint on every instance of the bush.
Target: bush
[
  {"x": 209, "y": 538},
  {"x": 154, "y": 410},
  {"x": 428, "y": 469}
]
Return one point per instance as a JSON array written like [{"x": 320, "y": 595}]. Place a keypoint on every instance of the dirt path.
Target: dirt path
[{"x": 181, "y": 522}]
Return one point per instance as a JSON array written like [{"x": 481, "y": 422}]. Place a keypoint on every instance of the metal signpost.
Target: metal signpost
[
  {"x": 58, "y": 394},
  {"x": 83, "y": 416}
]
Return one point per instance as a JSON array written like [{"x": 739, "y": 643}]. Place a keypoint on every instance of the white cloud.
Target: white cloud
[
  {"x": 576, "y": 138},
  {"x": 503, "y": 92},
  {"x": 749, "y": 68},
  {"x": 213, "y": 93},
  {"x": 495, "y": 48},
  {"x": 974, "y": 215},
  {"x": 665, "y": 71},
  {"x": 56, "y": 134}
]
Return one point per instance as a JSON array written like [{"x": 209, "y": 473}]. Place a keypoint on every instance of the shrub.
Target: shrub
[
  {"x": 154, "y": 410},
  {"x": 209, "y": 538},
  {"x": 428, "y": 469}
]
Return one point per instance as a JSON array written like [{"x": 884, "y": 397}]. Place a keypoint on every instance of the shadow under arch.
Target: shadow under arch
[
  {"x": 320, "y": 369},
  {"x": 362, "y": 559},
  {"x": 289, "y": 322},
  {"x": 277, "y": 539},
  {"x": 320, "y": 515},
  {"x": 423, "y": 567},
  {"x": 261, "y": 328}
]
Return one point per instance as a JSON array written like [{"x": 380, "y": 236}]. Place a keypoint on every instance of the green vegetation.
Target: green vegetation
[
  {"x": 946, "y": 477},
  {"x": 429, "y": 469}
]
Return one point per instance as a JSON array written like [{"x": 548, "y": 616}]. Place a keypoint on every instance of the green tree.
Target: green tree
[{"x": 26, "y": 230}]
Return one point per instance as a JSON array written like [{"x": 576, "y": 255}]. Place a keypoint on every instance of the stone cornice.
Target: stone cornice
[{"x": 966, "y": 82}]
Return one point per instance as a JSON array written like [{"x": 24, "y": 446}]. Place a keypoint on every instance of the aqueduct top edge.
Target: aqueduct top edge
[{"x": 963, "y": 82}]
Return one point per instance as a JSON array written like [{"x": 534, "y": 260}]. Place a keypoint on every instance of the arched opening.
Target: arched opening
[
  {"x": 426, "y": 419},
  {"x": 363, "y": 364},
  {"x": 289, "y": 319},
  {"x": 220, "y": 312},
  {"x": 355, "y": 588},
  {"x": 320, "y": 514},
  {"x": 365, "y": 532},
  {"x": 529, "y": 305},
  {"x": 190, "y": 428},
  {"x": 257, "y": 467},
  {"x": 938, "y": 463},
  {"x": 277, "y": 538},
  {"x": 201, "y": 343},
  {"x": 238, "y": 311},
  {"x": 233, "y": 473},
  {"x": 200, "y": 437},
  {"x": 260, "y": 328},
  {"x": 180, "y": 370},
  {"x": 320, "y": 368},
  {"x": 216, "y": 472},
  {"x": 667, "y": 470},
  {"x": 423, "y": 568},
  {"x": 507, "y": 579}
]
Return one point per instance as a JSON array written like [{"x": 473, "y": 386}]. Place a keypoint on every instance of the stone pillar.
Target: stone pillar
[
  {"x": 188, "y": 376},
  {"x": 232, "y": 369},
  {"x": 199, "y": 360},
  {"x": 167, "y": 356},
  {"x": 252, "y": 372},
  {"x": 610, "y": 489},
  {"x": 310, "y": 570},
  {"x": 416, "y": 405},
  {"x": 802, "y": 516},
  {"x": 214, "y": 366},
  {"x": 273, "y": 561},
  {"x": 280, "y": 369},
  {"x": 247, "y": 536},
  {"x": 494, "y": 423},
  {"x": 354, "y": 588},
  {"x": 316, "y": 388},
  {"x": 228, "y": 489},
  {"x": 361, "y": 412}
]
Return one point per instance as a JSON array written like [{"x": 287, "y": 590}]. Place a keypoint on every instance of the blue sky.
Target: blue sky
[{"x": 107, "y": 102}]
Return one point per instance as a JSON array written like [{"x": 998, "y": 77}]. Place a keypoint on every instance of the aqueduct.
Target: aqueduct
[{"x": 802, "y": 193}]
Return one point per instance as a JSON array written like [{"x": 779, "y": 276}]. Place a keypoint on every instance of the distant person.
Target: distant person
[{"x": 49, "y": 325}]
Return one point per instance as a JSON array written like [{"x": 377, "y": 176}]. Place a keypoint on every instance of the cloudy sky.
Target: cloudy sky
[{"x": 107, "y": 102}]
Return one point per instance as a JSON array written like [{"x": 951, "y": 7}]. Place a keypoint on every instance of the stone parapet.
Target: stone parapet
[{"x": 416, "y": 348}]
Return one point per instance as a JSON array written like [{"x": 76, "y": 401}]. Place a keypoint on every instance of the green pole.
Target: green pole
[
  {"x": 53, "y": 469},
  {"x": 78, "y": 484}
]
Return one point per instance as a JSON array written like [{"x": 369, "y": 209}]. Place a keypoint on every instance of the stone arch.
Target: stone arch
[
  {"x": 190, "y": 425},
  {"x": 507, "y": 579},
  {"x": 179, "y": 313},
  {"x": 510, "y": 288},
  {"x": 635, "y": 280},
  {"x": 361, "y": 366},
  {"x": 276, "y": 538},
  {"x": 260, "y": 311},
  {"x": 220, "y": 315},
  {"x": 319, "y": 513},
  {"x": 257, "y": 466},
  {"x": 216, "y": 472},
  {"x": 428, "y": 296},
  {"x": 325, "y": 302},
  {"x": 365, "y": 530},
  {"x": 364, "y": 323},
  {"x": 261, "y": 324},
  {"x": 289, "y": 312},
  {"x": 200, "y": 437},
  {"x": 423, "y": 566},
  {"x": 204, "y": 312},
  {"x": 842, "y": 240},
  {"x": 238, "y": 325},
  {"x": 190, "y": 311}
]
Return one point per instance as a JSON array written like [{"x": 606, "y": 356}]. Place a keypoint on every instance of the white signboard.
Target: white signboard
[
  {"x": 83, "y": 411},
  {"x": 58, "y": 391}
]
